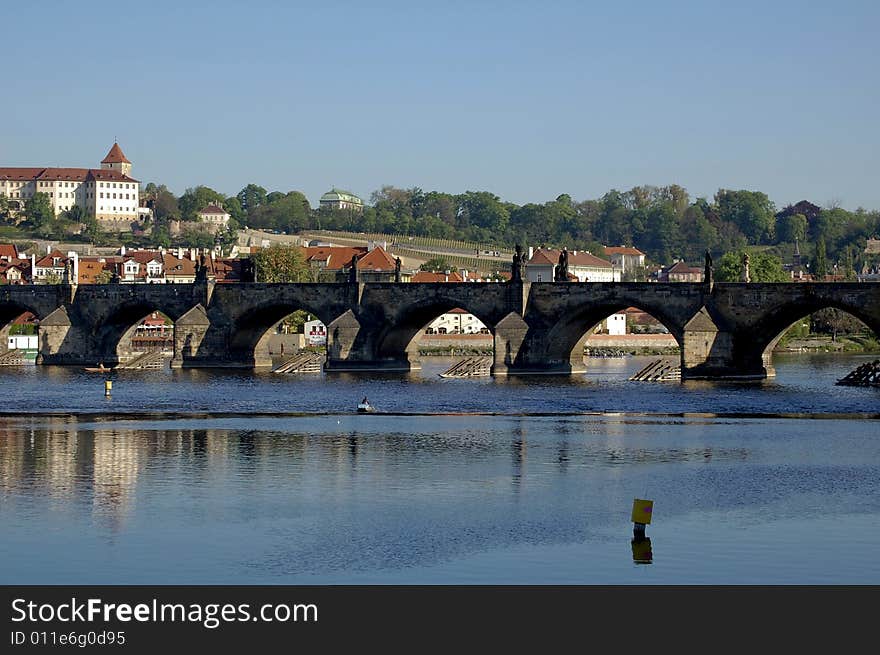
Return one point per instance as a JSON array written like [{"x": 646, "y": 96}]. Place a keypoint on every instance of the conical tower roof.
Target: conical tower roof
[{"x": 115, "y": 156}]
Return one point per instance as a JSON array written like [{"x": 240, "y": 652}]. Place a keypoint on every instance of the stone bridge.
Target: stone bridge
[{"x": 724, "y": 330}]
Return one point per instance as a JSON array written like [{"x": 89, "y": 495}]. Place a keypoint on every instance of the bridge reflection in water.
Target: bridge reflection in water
[{"x": 724, "y": 330}]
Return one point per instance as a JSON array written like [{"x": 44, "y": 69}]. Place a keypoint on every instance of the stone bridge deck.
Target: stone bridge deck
[{"x": 723, "y": 330}]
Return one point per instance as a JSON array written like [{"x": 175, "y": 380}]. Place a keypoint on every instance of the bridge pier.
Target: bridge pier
[{"x": 710, "y": 353}]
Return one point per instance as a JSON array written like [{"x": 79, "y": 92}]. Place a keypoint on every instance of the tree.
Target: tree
[
  {"x": 197, "y": 198},
  {"x": 281, "y": 263},
  {"x": 436, "y": 264},
  {"x": 791, "y": 227},
  {"x": 251, "y": 197},
  {"x": 103, "y": 277},
  {"x": 751, "y": 211},
  {"x": 820, "y": 262},
  {"x": 233, "y": 207},
  {"x": 91, "y": 227},
  {"x": 165, "y": 205},
  {"x": 39, "y": 211},
  {"x": 160, "y": 235},
  {"x": 286, "y": 213},
  {"x": 197, "y": 237},
  {"x": 763, "y": 267}
]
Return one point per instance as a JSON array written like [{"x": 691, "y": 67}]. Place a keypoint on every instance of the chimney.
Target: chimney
[
  {"x": 122, "y": 251},
  {"x": 179, "y": 252},
  {"x": 531, "y": 252},
  {"x": 575, "y": 252}
]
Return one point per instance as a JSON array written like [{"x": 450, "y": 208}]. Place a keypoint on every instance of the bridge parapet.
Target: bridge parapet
[{"x": 724, "y": 330}]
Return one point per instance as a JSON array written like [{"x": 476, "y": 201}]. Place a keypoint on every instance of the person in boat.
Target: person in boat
[{"x": 365, "y": 401}]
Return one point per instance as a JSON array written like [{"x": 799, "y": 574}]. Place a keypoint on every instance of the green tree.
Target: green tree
[
  {"x": 197, "y": 237},
  {"x": 820, "y": 262},
  {"x": 281, "y": 263},
  {"x": 251, "y": 197},
  {"x": 751, "y": 211},
  {"x": 233, "y": 208},
  {"x": 160, "y": 235},
  {"x": 165, "y": 206},
  {"x": 39, "y": 211},
  {"x": 763, "y": 267},
  {"x": 91, "y": 227},
  {"x": 286, "y": 213},
  {"x": 791, "y": 228},
  {"x": 436, "y": 264},
  {"x": 197, "y": 198}
]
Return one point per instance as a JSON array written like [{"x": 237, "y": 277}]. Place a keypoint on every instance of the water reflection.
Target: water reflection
[
  {"x": 294, "y": 499},
  {"x": 641, "y": 550}
]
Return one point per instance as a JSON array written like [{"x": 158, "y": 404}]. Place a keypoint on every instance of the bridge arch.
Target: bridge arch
[
  {"x": 565, "y": 339},
  {"x": 398, "y": 340},
  {"x": 761, "y": 340},
  {"x": 114, "y": 334},
  {"x": 251, "y": 330}
]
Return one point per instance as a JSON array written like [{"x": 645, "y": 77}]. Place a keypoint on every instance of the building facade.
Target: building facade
[
  {"x": 214, "y": 218},
  {"x": 340, "y": 199},
  {"x": 109, "y": 193},
  {"x": 582, "y": 266}
]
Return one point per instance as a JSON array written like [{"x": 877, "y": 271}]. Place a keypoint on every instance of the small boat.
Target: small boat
[
  {"x": 364, "y": 407},
  {"x": 100, "y": 368}
]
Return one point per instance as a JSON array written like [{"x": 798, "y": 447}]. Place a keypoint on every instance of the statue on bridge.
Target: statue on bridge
[
  {"x": 709, "y": 271},
  {"x": 353, "y": 270},
  {"x": 516, "y": 270},
  {"x": 746, "y": 275},
  {"x": 397, "y": 266},
  {"x": 201, "y": 269},
  {"x": 561, "y": 273}
]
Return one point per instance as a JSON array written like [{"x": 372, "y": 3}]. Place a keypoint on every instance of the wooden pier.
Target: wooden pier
[
  {"x": 471, "y": 367},
  {"x": 151, "y": 360},
  {"x": 303, "y": 362},
  {"x": 866, "y": 375},
  {"x": 16, "y": 358},
  {"x": 660, "y": 370}
]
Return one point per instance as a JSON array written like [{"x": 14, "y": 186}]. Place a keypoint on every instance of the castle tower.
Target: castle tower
[{"x": 116, "y": 161}]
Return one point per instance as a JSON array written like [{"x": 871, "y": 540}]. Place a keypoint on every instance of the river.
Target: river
[{"x": 224, "y": 477}]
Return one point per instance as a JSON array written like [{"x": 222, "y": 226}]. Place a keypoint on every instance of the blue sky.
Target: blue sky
[{"x": 524, "y": 99}]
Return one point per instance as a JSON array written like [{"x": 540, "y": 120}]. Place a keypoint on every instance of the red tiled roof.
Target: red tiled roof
[
  {"x": 90, "y": 268},
  {"x": 17, "y": 173},
  {"x": 622, "y": 250},
  {"x": 431, "y": 276},
  {"x": 334, "y": 257},
  {"x": 212, "y": 209},
  {"x": 376, "y": 260},
  {"x": 46, "y": 261},
  {"x": 144, "y": 256},
  {"x": 681, "y": 267},
  {"x": 176, "y": 267},
  {"x": 227, "y": 269},
  {"x": 544, "y": 256},
  {"x": 115, "y": 156},
  {"x": 8, "y": 251},
  {"x": 63, "y": 174}
]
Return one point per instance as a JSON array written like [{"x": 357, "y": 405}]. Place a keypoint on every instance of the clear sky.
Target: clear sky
[{"x": 524, "y": 99}]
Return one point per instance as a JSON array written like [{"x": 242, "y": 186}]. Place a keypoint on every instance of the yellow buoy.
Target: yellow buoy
[
  {"x": 108, "y": 385},
  {"x": 642, "y": 510}
]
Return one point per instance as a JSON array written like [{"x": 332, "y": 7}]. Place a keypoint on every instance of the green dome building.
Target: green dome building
[{"x": 339, "y": 199}]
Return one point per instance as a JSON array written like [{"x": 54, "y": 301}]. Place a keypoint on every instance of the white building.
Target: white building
[
  {"x": 214, "y": 217},
  {"x": 315, "y": 333},
  {"x": 625, "y": 258},
  {"x": 456, "y": 321},
  {"x": 616, "y": 324},
  {"x": 108, "y": 192},
  {"x": 582, "y": 266}
]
